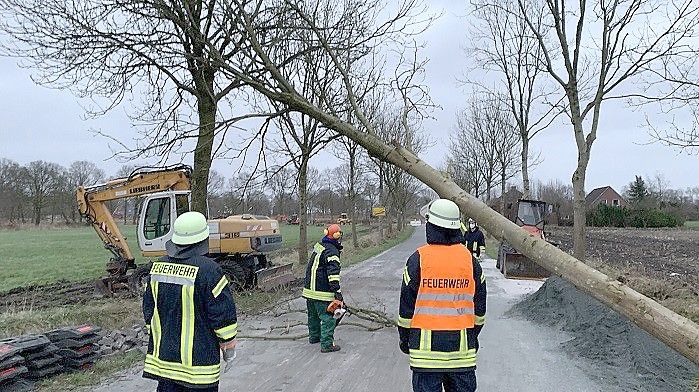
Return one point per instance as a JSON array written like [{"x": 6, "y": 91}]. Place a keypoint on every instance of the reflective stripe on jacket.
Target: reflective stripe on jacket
[
  {"x": 322, "y": 280},
  {"x": 189, "y": 310},
  {"x": 442, "y": 305}
]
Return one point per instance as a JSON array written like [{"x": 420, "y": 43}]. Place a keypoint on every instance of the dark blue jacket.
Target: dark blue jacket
[
  {"x": 474, "y": 241},
  {"x": 189, "y": 310},
  {"x": 440, "y": 341},
  {"x": 322, "y": 280}
]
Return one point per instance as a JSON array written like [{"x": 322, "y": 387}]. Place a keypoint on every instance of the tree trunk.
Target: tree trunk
[
  {"x": 206, "y": 107},
  {"x": 502, "y": 192},
  {"x": 382, "y": 203},
  {"x": 37, "y": 215},
  {"x": 303, "y": 210},
  {"x": 136, "y": 207},
  {"x": 353, "y": 200},
  {"x": 526, "y": 192},
  {"x": 579, "y": 240}
]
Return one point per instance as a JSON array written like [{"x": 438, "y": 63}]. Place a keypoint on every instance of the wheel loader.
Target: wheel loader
[
  {"x": 529, "y": 215},
  {"x": 344, "y": 219},
  {"x": 239, "y": 243}
]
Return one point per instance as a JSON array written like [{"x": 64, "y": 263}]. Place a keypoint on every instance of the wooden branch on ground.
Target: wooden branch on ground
[{"x": 379, "y": 319}]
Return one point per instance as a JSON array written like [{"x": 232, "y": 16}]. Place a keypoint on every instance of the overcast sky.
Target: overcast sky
[{"x": 41, "y": 123}]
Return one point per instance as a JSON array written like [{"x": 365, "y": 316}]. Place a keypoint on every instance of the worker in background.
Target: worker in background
[
  {"x": 474, "y": 238},
  {"x": 442, "y": 306},
  {"x": 322, "y": 289},
  {"x": 189, "y": 312}
]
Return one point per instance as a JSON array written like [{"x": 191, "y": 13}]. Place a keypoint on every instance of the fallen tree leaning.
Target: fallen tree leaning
[{"x": 674, "y": 330}]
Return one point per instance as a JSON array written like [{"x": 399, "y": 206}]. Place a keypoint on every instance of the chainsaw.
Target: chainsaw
[{"x": 338, "y": 309}]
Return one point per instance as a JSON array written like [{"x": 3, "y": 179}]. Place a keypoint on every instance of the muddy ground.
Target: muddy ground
[
  {"x": 47, "y": 296},
  {"x": 662, "y": 264},
  {"x": 669, "y": 252}
]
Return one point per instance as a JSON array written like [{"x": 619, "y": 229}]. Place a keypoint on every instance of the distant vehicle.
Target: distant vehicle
[
  {"x": 415, "y": 223},
  {"x": 293, "y": 219},
  {"x": 529, "y": 215},
  {"x": 343, "y": 219}
]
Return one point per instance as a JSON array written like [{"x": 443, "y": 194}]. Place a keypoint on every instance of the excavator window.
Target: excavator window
[
  {"x": 181, "y": 204},
  {"x": 157, "y": 222}
]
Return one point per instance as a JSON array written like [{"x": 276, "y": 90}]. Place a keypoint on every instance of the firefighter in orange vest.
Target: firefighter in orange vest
[{"x": 442, "y": 306}]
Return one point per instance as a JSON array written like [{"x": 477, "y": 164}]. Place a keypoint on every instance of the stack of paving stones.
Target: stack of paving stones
[
  {"x": 11, "y": 366},
  {"x": 38, "y": 354},
  {"x": 124, "y": 340},
  {"x": 76, "y": 346}
]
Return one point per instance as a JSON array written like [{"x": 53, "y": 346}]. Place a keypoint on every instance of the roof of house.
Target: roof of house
[
  {"x": 512, "y": 195},
  {"x": 596, "y": 193}
]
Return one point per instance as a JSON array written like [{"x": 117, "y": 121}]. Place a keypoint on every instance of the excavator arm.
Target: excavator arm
[{"x": 92, "y": 204}]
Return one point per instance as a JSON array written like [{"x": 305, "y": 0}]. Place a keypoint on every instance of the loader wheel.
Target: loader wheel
[{"x": 139, "y": 279}]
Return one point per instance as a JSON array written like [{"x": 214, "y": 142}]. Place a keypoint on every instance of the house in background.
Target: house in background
[
  {"x": 511, "y": 197},
  {"x": 605, "y": 195}
]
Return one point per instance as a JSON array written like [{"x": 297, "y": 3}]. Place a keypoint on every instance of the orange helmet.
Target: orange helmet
[{"x": 333, "y": 232}]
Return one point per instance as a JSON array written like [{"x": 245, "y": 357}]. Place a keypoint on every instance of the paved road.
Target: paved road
[{"x": 515, "y": 355}]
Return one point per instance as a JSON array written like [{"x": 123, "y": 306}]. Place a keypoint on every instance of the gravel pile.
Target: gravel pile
[{"x": 618, "y": 351}]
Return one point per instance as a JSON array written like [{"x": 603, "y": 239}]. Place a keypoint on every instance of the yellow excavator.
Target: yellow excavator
[{"x": 239, "y": 243}]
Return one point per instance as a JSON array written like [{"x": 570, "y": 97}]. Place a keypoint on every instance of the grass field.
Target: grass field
[
  {"x": 38, "y": 256},
  {"x": 691, "y": 224},
  {"x": 290, "y": 233},
  {"x": 45, "y": 255}
]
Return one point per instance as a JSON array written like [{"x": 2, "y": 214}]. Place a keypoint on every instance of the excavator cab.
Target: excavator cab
[
  {"x": 529, "y": 216},
  {"x": 157, "y": 219},
  {"x": 239, "y": 243}
]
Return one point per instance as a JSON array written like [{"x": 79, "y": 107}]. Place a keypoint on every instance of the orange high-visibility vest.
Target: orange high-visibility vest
[{"x": 446, "y": 288}]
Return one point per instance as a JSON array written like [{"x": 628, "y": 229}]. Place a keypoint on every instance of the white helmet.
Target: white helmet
[
  {"x": 444, "y": 213},
  {"x": 190, "y": 228}
]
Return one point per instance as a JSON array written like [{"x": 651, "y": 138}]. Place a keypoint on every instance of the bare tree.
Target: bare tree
[
  {"x": 12, "y": 190},
  {"x": 463, "y": 165},
  {"x": 592, "y": 50},
  {"x": 559, "y": 195},
  {"x": 400, "y": 187},
  {"x": 502, "y": 43},
  {"x": 683, "y": 137},
  {"x": 43, "y": 182},
  {"x": 124, "y": 172},
  {"x": 477, "y": 136},
  {"x": 118, "y": 50},
  {"x": 82, "y": 173},
  {"x": 485, "y": 146},
  {"x": 508, "y": 146}
]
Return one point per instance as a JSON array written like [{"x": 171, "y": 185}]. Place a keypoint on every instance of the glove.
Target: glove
[
  {"x": 229, "y": 354},
  {"x": 404, "y": 347}
]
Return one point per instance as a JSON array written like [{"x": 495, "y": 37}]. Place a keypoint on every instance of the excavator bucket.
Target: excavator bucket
[
  {"x": 515, "y": 265},
  {"x": 274, "y": 277}
]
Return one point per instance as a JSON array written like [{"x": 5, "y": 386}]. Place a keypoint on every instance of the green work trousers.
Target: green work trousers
[{"x": 321, "y": 324}]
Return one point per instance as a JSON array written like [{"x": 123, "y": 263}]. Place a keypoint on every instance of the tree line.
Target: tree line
[{"x": 44, "y": 192}]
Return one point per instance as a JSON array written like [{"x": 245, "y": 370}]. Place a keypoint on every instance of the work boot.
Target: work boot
[
  {"x": 330, "y": 349},
  {"x": 314, "y": 341}
]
